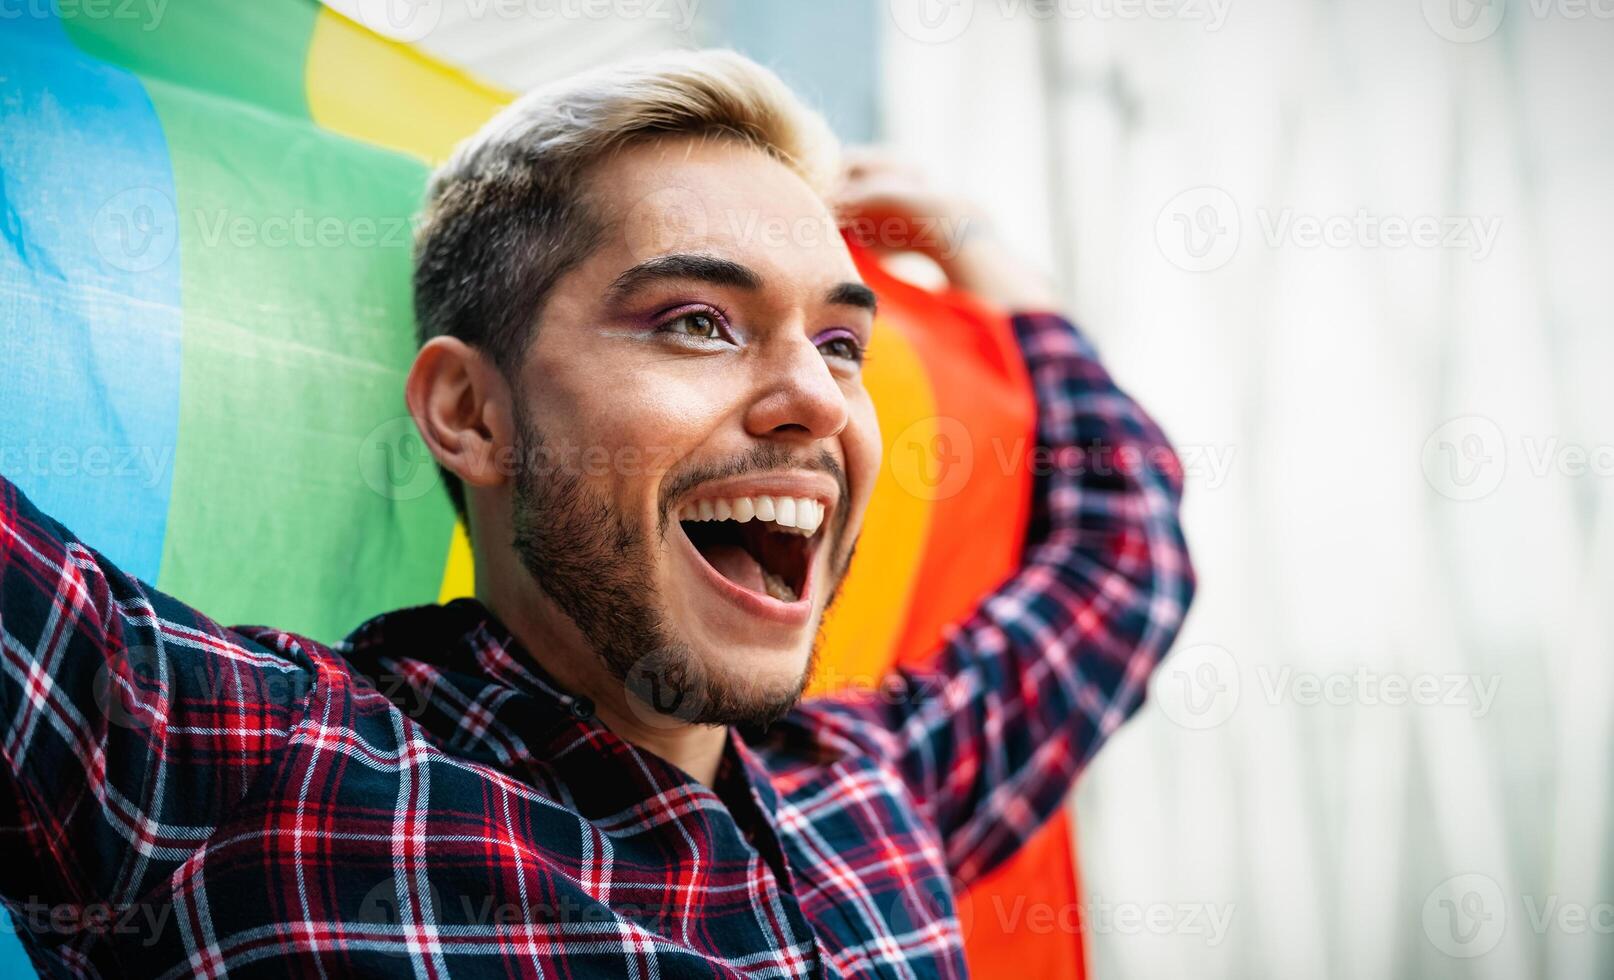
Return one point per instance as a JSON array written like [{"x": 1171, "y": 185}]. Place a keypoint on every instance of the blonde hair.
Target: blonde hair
[
  {"x": 506, "y": 216},
  {"x": 572, "y": 122}
]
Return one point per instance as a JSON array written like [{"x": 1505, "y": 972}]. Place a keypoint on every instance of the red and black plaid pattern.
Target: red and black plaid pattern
[{"x": 181, "y": 798}]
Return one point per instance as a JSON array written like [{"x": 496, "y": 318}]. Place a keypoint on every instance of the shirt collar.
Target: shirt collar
[{"x": 480, "y": 692}]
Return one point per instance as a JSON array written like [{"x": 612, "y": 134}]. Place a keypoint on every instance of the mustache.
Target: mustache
[{"x": 764, "y": 458}]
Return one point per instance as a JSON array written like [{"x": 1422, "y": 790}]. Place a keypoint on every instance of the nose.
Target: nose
[{"x": 799, "y": 395}]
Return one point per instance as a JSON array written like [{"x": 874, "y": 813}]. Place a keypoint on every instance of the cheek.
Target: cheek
[
  {"x": 628, "y": 429},
  {"x": 861, "y": 443}
]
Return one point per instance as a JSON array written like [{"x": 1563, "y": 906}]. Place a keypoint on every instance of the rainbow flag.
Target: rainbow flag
[{"x": 205, "y": 321}]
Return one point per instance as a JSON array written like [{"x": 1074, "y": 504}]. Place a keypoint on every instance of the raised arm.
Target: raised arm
[
  {"x": 129, "y": 724},
  {"x": 991, "y": 736}
]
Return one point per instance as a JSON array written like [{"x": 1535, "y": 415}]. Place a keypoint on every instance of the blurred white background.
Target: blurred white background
[{"x": 1356, "y": 258}]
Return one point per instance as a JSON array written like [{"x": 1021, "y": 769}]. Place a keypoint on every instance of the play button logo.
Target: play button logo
[
  {"x": 401, "y": 20},
  {"x": 932, "y": 21}
]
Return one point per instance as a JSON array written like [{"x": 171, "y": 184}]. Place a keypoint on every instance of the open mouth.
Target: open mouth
[{"x": 763, "y": 544}]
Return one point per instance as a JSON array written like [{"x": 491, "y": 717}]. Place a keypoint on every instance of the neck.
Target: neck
[
  {"x": 696, "y": 749},
  {"x": 554, "y": 641}
]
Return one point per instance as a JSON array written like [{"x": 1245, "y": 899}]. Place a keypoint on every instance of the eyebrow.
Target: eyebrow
[
  {"x": 853, "y": 294},
  {"x": 721, "y": 272}
]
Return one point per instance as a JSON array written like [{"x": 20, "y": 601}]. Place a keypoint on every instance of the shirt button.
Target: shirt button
[{"x": 582, "y": 708}]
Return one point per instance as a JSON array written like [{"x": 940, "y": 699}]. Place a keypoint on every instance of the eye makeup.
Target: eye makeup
[
  {"x": 833, "y": 334},
  {"x": 663, "y": 320}
]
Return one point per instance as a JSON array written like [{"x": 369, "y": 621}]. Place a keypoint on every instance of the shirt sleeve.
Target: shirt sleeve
[
  {"x": 991, "y": 734},
  {"x": 129, "y": 724}
]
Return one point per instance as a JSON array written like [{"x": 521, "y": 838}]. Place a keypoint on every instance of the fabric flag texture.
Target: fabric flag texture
[{"x": 205, "y": 232}]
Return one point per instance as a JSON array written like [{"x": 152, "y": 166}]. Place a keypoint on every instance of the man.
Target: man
[{"x": 600, "y": 766}]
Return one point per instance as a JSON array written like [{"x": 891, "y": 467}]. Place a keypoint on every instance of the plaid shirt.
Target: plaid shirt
[{"x": 183, "y": 798}]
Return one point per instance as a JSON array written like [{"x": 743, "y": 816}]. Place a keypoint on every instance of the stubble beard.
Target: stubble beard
[{"x": 595, "y": 565}]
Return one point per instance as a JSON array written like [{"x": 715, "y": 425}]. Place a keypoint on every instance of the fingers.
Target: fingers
[
  {"x": 868, "y": 161},
  {"x": 878, "y": 182}
]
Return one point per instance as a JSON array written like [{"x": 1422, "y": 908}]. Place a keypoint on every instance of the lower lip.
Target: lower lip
[{"x": 756, "y": 603}]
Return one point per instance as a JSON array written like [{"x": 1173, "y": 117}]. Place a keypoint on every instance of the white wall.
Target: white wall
[{"x": 1346, "y": 535}]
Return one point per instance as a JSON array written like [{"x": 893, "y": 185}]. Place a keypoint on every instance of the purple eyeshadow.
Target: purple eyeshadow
[{"x": 837, "y": 333}]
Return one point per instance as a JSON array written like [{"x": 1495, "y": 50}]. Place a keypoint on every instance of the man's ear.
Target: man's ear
[{"x": 461, "y": 405}]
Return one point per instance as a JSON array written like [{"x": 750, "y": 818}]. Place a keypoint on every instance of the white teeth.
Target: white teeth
[
  {"x": 809, "y": 514},
  {"x": 798, "y": 515}
]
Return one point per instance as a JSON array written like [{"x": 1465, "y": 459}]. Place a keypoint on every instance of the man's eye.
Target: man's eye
[
  {"x": 843, "y": 347},
  {"x": 694, "y": 325}
]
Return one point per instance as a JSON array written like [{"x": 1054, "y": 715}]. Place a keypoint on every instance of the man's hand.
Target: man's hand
[{"x": 908, "y": 213}]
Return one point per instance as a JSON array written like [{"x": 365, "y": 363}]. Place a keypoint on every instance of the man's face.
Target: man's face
[{"x": 705, "y": 446}]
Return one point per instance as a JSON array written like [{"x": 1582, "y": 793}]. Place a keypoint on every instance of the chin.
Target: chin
[
  {"x": 745, "y": 573},
  {"x": 757, "y": 672},
  {"x": 745, "y": 671},
  {"x": 703, "y": 678}
]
